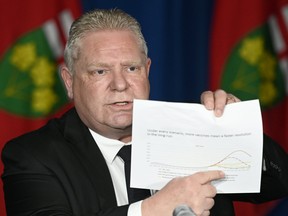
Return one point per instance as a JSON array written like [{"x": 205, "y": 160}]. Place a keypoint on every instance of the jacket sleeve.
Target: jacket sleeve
[
  {"x": 30, "y": 188},
  {"x": 274, "y": 181}
]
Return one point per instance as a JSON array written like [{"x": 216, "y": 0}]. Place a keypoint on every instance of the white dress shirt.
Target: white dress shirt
[{"x": 109, "y": 149}]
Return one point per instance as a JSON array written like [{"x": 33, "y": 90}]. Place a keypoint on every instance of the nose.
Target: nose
[{"x": 119, "y": 81}]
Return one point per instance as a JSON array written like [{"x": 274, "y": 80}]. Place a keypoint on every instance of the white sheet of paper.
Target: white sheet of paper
[{"x": 179, "y": 139}]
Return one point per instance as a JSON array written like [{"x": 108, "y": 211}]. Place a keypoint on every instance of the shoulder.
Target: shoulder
[
  {"x": 48, "y": 131},
  {"x": 43, "y": 140},
  {"x": 42, "y": 150}
]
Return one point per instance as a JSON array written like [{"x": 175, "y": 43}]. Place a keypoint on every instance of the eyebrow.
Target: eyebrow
[
  {"x": 131, "y": 63},
  {"x": 109, "y": 65},
  {"x": 99, "y": 65}
]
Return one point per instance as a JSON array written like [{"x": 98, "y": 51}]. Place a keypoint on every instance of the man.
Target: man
[{"x": 71, "y": 166}]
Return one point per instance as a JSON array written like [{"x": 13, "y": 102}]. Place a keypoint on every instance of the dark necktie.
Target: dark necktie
[{"x": 134, "y": 194}]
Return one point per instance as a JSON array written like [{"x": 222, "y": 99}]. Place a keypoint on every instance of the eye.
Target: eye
[
  {"x": 100, "y": 72},
  {"x": 133, "y": 69}
]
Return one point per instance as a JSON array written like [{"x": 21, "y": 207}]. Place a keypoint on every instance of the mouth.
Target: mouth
[{"x": 122, "y": 103}]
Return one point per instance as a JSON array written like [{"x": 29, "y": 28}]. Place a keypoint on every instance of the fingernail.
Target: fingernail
[
  {"x": 222, "y": 173},
  {"x": 218, "y": 112},
  {"x": 209, "y": 106}
]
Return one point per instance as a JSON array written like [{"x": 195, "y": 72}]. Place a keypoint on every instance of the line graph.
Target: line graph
[{"x": 236, "y": 160}]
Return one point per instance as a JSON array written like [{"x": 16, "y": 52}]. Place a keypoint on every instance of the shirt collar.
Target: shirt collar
[{"x": 108, "y": 147}]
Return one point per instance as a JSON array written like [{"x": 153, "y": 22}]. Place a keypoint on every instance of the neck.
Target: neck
[
  {"x": 126, "y": 139},
  {"x": 123, "y": 135}
]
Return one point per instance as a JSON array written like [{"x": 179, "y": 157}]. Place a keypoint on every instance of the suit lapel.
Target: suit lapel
[{"x": 83, "y": 144}]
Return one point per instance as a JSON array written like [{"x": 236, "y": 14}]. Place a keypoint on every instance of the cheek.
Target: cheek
[
  {"x": 90, "y": 93},
  {"x": 81, "y": 90},
  {"x": 142, "y": 88}
]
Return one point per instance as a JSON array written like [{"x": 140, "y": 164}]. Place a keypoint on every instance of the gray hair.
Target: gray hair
[{"x": 97, "y": 20}]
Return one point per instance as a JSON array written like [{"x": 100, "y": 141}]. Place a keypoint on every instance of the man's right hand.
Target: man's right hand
[{"x": 195, "y": 191}]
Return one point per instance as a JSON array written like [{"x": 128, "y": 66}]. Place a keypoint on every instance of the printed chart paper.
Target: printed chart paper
[{"x": 179, "y": 139}]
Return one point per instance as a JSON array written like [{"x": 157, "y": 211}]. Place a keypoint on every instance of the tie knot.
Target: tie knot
[{"x": 125, "y": 153}]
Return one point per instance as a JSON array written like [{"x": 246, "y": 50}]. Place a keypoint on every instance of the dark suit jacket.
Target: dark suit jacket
[{"x": 59, "y": 170}]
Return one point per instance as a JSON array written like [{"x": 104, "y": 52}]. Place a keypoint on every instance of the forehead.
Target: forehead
[
  {"x": 113, "y": 43},
  {"x": 110, "y": 38}
]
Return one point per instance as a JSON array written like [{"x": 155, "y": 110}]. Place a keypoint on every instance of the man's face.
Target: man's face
[{"x": 111, "y": 71}]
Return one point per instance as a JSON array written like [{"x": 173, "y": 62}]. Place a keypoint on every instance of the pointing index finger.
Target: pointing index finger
[{"x": 207, "y": 177}]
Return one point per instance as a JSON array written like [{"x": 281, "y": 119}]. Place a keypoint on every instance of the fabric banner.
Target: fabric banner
[
  {"x": 249, "y": 58},
  {"x": 31, "y": 50}
]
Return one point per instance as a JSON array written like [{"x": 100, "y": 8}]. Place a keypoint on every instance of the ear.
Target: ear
[
  {"x": 67, "y": 78},
  {"x": 148, "y": 64}
]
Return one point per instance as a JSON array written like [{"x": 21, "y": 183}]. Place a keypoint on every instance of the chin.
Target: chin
[
  {"x": 123, "y": 124},
  {"x": 122, "y": 119}
]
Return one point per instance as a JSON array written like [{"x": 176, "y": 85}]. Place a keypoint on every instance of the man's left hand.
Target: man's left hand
[{"x": 217, "y": 100}]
